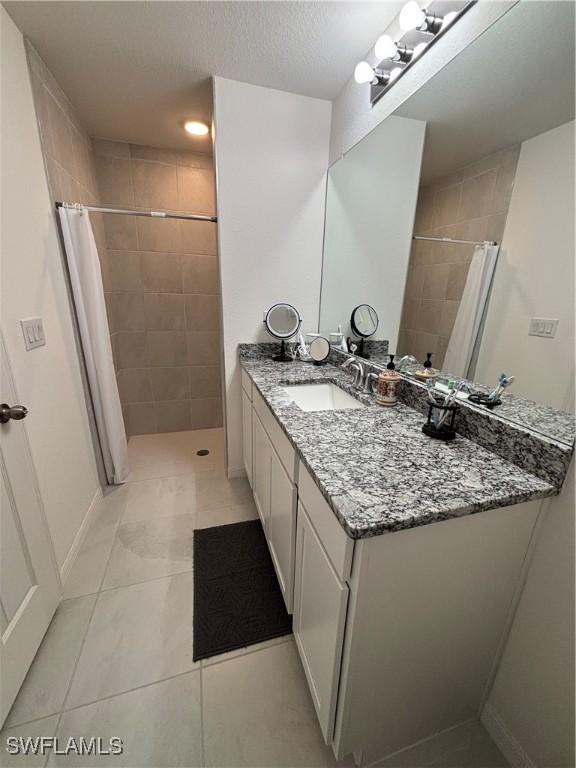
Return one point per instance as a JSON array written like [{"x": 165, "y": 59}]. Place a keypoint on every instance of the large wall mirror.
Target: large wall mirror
[{"x": 482, "y": 153}]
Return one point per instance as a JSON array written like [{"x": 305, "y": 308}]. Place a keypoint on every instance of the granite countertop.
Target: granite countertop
[{"x": 377, "y": 470}]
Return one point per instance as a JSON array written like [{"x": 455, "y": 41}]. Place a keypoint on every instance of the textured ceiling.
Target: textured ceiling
[
  {"x": 512, "y": 83},
  {"x": 137, "y": 70}
]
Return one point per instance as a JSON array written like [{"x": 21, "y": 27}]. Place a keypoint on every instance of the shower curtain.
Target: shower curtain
[
  {"x": 88, "y": 293},
  {"x": 470, "y": 314}
]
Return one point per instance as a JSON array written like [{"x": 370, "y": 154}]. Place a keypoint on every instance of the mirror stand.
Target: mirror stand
[{"x": 282, "y": 357}]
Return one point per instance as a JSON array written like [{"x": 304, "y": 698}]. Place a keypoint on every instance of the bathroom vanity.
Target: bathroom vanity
[{"x": 400, "y": 557}]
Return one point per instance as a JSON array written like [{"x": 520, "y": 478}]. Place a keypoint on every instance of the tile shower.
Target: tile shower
[
  {"x": 160, "y": 277},
  {"x": 161, "y": 287},
  {"x": 470, "y": 204}
]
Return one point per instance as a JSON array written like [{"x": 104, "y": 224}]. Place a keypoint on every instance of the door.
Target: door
[
  {"x": 261, "y": 453},
  {"x": 282, "y": 527},
  {"x": 320, "y": 602},
  {"x": 247, "y": 435},
  {"x": 29, "y": 580}
]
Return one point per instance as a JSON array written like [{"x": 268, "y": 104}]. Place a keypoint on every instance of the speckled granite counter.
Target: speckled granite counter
[{"x": 377, "y": 470}]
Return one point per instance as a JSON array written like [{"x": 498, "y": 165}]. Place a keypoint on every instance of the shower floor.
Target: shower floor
[{"x": 170, "y": 454}]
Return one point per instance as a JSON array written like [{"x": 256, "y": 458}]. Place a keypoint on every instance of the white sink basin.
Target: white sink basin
[{"x": 321, "y": 397}]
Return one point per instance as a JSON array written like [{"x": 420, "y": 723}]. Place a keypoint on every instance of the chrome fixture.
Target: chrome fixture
[
  {"x": 128, "y": 212},
  {"x": 370, "y": 377},
  {"x": 419, "y": 29},
  {"x": 404, "y": 360},
  {"x": 454, "y": 241},
  {"x": 358, "y": 369}
]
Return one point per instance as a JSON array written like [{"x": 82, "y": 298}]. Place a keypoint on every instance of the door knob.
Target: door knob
[{"x": 16, "y": 412}]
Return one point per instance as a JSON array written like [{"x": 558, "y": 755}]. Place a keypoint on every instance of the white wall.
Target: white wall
[
  {"x": 352, "y": 115},
  {"x": 47, "y": 379},
  {"x": 370, "y": 208},
  {"x": 271, "y": 161},
  {"x": 535, "y": 275},
  {"x": 530, "y": 711}
]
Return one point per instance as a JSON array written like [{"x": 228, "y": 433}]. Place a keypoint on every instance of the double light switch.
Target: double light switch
[{"x": 33, "y": 332}]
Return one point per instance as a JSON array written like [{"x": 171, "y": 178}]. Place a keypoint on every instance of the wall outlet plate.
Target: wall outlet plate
[
  {"x": 33, "y": 332},
  {"x": 543, "y": 326}
]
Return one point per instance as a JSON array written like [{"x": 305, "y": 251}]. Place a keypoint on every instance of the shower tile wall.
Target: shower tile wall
[
  {"x": 470, "y": 204},
  {"x": 162, "y": 288},
  {"x": 66, "y": 146}
]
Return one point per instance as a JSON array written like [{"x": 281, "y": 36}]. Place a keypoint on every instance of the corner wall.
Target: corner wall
[
  {"x": 535, "y": 276},
  {"x": 271, "y": 162},
  {"x": 48, "y": 379}
]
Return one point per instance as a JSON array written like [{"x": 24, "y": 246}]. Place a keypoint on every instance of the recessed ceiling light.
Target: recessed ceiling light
[{"x": 196, "y": 128}]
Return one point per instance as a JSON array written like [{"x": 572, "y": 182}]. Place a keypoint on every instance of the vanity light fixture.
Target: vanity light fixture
[
  {"x": 414, "y": 17},
  {"x": 196, "y": 128},
  {"x": 366, "y": 73},
  {"x": 405, "y": 49}
]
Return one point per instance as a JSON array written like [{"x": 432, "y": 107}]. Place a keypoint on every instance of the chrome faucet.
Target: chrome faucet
[
  {"x": 368, "y": 387},
  {"x": 359, "y": 370},
  {"x": 406, "y": 359}
]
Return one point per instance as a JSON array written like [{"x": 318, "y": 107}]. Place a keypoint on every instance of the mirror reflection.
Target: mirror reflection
[{"x": 462, "y": 241}]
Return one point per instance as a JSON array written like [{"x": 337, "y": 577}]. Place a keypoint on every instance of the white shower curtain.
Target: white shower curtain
[
  {"x": 88, "y": 292},
  {"x": 471, "y": 311}
]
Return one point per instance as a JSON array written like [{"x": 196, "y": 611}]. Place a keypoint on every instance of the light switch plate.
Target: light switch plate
[
  {"x": 33, "y": 332},
  {"x": 543, "y": 326}
]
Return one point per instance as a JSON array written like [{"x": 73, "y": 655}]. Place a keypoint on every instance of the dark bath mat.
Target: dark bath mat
[{"x": 237, "y": 599}]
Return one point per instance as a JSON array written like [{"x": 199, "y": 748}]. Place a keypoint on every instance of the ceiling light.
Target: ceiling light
[
  {"x": 196, "y": 128},
  {"x": 385, "y": 47},
  {"x": 363, "y": 72}
]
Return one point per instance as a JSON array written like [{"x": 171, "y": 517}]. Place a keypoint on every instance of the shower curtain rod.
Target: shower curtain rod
[
  {"x": 127, "y": 211},
  {"x": 451, "y": 240}
]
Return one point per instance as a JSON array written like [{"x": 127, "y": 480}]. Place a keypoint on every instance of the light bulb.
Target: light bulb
[
  {"x": 385, "y": 47},
  {"x": 394, "y": 73},
  {"x": 363, "y": 73},
  {"x": 411, "y": 16},
  {"x": 418, "y": 50},
  {"x": 196, "y": 128},
  {"x": 448, "y": 19}
]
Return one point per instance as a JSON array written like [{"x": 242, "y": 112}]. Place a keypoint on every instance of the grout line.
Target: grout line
[
  {"x": 105, "y": 590},
  {"x": 115, "y": 695},
  {"x": 202, "y": 739},
  {"x": 96, "y": 601}
]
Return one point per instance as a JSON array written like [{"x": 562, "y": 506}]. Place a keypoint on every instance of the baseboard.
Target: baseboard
[
  {"x": 79, "y": 538},
  {"x": 504, "y": 740},
  {"x": 234, "y": 472},
  {"x": 429, "y": 750}
]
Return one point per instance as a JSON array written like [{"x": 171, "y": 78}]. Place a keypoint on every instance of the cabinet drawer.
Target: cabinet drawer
[
  {"x": 246, "y": 383},
  {"x": 281, "y": 444},
  {"x": 339, "y": 547}
]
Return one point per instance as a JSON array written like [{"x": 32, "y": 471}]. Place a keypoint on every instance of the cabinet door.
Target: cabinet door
[
  {"x": 320, "y": 601},
  {"x": 282, "y": 528},
  {"x": 261, "y": 458},
  {"x": 247, "y": 435}
]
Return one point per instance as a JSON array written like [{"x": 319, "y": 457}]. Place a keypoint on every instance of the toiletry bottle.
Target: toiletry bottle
[
  {"x": 428, "y": 363},
  {"x": 391, "y": 366}
]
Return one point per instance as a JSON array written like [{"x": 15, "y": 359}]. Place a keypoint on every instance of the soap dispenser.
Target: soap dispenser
[{"x": 388, "y": 385}]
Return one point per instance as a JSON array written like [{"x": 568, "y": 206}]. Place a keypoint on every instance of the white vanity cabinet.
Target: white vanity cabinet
[{"x": 273, "y": 484}]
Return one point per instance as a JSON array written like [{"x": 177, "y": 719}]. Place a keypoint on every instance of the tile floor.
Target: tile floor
[{"x": 117, "y": 657}]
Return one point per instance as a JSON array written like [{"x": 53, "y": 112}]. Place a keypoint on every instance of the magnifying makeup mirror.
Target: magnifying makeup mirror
[
  {"x": 319, "y": 350},
  {"x": 282, "y": 322},
  {"x": 364, "y": 323}
]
